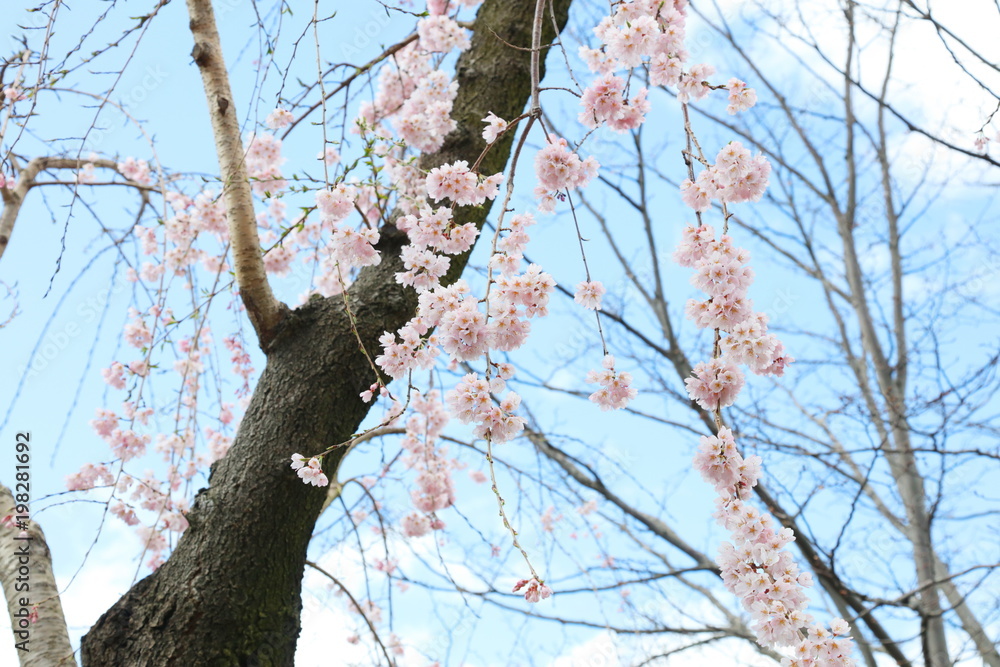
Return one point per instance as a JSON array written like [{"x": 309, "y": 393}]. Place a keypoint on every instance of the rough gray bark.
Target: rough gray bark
[
  {"x": 231, "y": 592},
  {"x": 47, "y": 640}
]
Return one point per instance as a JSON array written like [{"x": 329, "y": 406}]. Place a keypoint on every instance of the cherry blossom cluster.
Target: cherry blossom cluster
[
  {"x": 737, "y": 176},
  {"x": 408, "y": 181},
  {"x": 471, "y": 401},
  {"x": 433, "y": 235},
  {"x": 755, "y": 566},
  {"x": 741, "y": 97},
  {"x": 650, "y": 33},
  {"x": 242, "y": 366},
  {"x": 328, "y": 240},
  {"x": 605, "y": 102},
  {"x": 981, "y": 142},
  {"x": 279, "y": 256},
  {"x": 549, "y": 519},
  {"x": 90, "y": 476},
  {"x": 87, "y": 173},
  {"x": 180, "y": 242},
  {"x": 129, "y": 432},
  {"x": 715, "y": 384},
  {"x": 509, "y": 251},
  {"x": 455, "y": 181},
  {"x": 372, "y": 613},
  {"x": 147, "y": 493},
  {"x": 439, "y": 7},
  {"x": 616, "y": 390},
  {"x": 558, "y": 169},
  {"x": 309, "y": 470},
  {"x": 534, "y": 589},
  {"x": 135, "y": 170},
  {"x": 369, "y": 610},
  {"x": 722, "y": 271},
  {"x": 440, "y": 34},
  {"x": 435, "y": 488},
  {"x": 758, "y": 568},
  {"x": 263, "y": 161},
  {"x": 463, "y": 330},
  {"x": 412, "y": 93}
]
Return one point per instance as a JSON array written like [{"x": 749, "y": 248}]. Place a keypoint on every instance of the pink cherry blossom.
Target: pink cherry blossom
[
  {"x": 135, "y": 170},
  {"x": 719, "y": 312},
  {"x": 602, "y": 99},
  {"x": 353, "y": 248},
  {"x": 140, "y": 368},
  {"x": 264, "y": 160},
  {"x": 495, "y": 126},
  {"x": 665, "y": 70},
  {"x": 534, "y": 590},
  {"x": 694, "y": 244},
  {"x": 279, "y": 118},
  {"x": 693, "y": 84},
  {"x": 440, "y": 34},
  {"x": 715, "y": 384},
  {"x": 558, "y": 168},
  {"x": 741, "y": 98},
  {"x": 758, "y": 568},
  {"x": 336, "y": 203},
  {"x": 589, "y": 293},
  {"x": 13, "y": 94},
  {"x": 437, "y": 7},
  {"x": 616, "y": 390},
  {"x": 598, "y": 61},
  {"x": 416, "y": 525},
  {"x": 632, "y": 40},
  {"x": 471, "y": 401},
  {"x": 463, "y": 187},
  {"x": 124, "y": 513},
  {"x": 749, "y": 343},
  {"x": 87, "y": 174},
  {"x": 311, "y": 471},
  {"x": 114, "y": 376},
  {"x": 530, "y": 289},
  {"x": 90, "y": 476}
]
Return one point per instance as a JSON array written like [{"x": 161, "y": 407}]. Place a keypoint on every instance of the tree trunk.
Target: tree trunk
[
  {"x": 230, "y": 594},
  {"x": 30, "y": 585}
]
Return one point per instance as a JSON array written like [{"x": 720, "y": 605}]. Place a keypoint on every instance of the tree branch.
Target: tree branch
[
  {"x": 264, "y": 310},
  {"x": 13, "y": 197}
]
